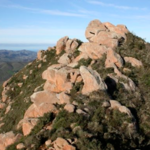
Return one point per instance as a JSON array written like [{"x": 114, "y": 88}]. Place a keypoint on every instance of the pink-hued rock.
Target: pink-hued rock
[
  {"x": 73, "y": 64},
  {"x": 94, "y": 27},
  {"x": 6, "y": 88},
  {"x": 69, "y": 107},
  {"x": 40, "y": 54},
  {"x": 109, "y": 39},
  {"x": 44, "y": 97},
  {"x": 28, "y": 125},
  {"x": 113, "y": 58},
  {"x": 62, "y": 144},
  {"x": 55, "y": 66},
  {"x": 105, "y": 33},
  {"x": 123, "y": 28},
  {"x": 74, "y": 74},
  {"x": 109, "y": 26},
  {"x": 32, "y": 114},
  {"x": 57, "y": 80},
  {"x": 134, "y": 62},
  {"x": 35, "y": 111},
  {"x": 7, "y": 139},
  {"x": 61, "y": 44},
  {"x": 5, "y": 83},
  {"x": 116, "y": 105},
  {"x": 7, "y": 109},
  {"x": 71, "y": 45},
  {"x": 66, "y": 44},
  {"x": 42, "y": 103},
  {"x": 20, "y": 84},
  {"x": 74, "y": 45},
  {"x": 25, "y": 77},
  {"x": 79, "y": 79},
  {"x": 65, "y": 59},
  {"x": 4, "y": 93},
  {"x": 93, "y": 50},
  {"x": 81, "y": 56},
  {"x": 129, "y": 85},
  {"x": 2, "y": 105},
  {"x": 69, "y": 147},
  {"x": 63, "y": 98},
  {"x": 48, "y": 142},
  {"x": 50, "y": 48},
  {"x": 92, "y": 81},
  {"x": 20, "y": 146}
]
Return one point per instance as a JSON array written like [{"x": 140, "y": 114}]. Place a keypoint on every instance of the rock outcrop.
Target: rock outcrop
[
  {"x": 93, "y": 50},
  {"x": 92, "y": 80},
  {"x": 73, "y": 85},
  {"x": 105, "y": 33},
  {"x": 66, "y": 44}
]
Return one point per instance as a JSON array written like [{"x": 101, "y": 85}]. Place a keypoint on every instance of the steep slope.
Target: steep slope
[
  {"x": 79, "y": 96},
  {"x": 7, "y": 69}
]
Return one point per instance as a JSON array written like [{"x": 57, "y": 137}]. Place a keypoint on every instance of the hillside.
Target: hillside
[
  {"x": 81, "y": 96},
  {"x": 17, "y": 56},
  {"x": 12, "y": 61}
]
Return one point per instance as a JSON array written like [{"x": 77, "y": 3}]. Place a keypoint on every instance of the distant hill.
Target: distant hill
[
  {"x": 22, "y": 55},
  {"x": 12, "y": 61}
]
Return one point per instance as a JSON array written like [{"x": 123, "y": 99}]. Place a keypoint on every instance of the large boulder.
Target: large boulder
[
  {"x": 93, "y": 50},
  {"x": 57, "y": 80},
  {"x": 105, "y": 33},
  {"x": 61, "y": 44},
  {"x": 28, "y": 125},
  {"x": 119, "y": 29},
  {"x": 113, "y": 58},
  {"x": 66, "y": 44},
  {"x": 32, "y": 114},
  {"x": 133, "y": 61},
  {"x": 42, "y": 103},
  {"x": 65, "y": 59},
  {"x": 94, "y": 28},
  {"x": 109, "y": 39},
  {"x": 62, "y": 144},
  {"x": 44, "y": 97},
  {"x": 63, "y": 98},
  {"x": 71, "y": 45},
  {"x": 60, "y": 79},
  {"x": 92, "y": 81}
]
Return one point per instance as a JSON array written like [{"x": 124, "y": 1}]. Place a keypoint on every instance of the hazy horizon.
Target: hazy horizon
[{"x": 25, "y": 46}]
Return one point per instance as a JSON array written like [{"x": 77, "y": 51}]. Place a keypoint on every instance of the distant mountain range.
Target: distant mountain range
[
  {"x": 22, "y": 55},
  {"x": 12, "y": 61}
]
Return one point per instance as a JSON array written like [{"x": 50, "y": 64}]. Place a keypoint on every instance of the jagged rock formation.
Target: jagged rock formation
[{"x": 78, "y": 95}]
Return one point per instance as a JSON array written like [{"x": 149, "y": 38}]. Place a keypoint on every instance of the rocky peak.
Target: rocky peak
[
  {"x": 64, "y": 97},
  {"x": 106, "y": 33}
]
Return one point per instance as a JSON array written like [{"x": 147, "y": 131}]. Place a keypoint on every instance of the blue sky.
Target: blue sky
[{"x": 46, "y": 21}]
